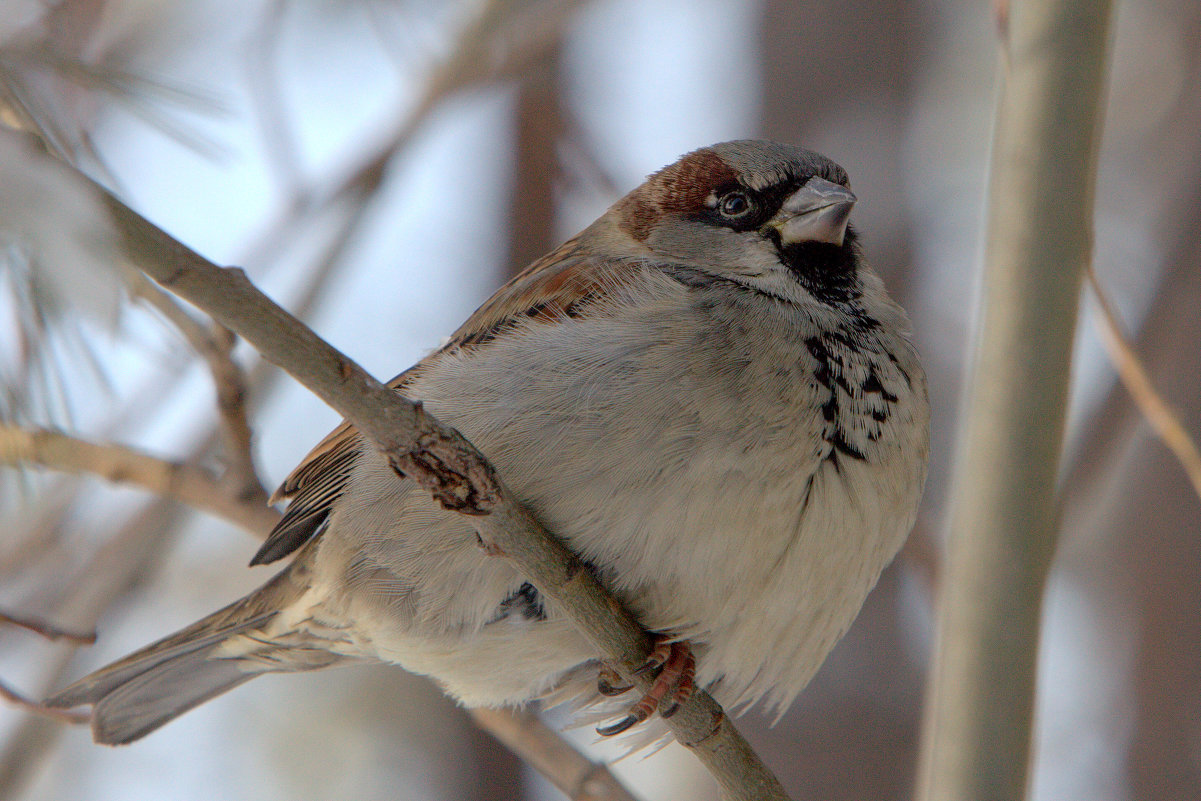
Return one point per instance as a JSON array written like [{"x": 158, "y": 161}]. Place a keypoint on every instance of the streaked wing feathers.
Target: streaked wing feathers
[{"x": 561, "y": 284}]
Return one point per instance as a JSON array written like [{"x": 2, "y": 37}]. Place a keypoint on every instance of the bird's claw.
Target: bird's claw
[
  {"x": 618, "y": 727},
  {"x": 610, "y": 683},
  {"x": 674, "y": 683}
]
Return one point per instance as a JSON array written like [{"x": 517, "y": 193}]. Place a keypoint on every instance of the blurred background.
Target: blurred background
[{"x": 380, "y": 168}]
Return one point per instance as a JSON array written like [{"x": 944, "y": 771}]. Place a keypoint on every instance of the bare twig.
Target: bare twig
[
  {"x": 193, "y": 331},
  {"x": 29, "y": 742},
  {"x": 264, "y": 376},
  {"x": 233, "y": 428},
  {"x": 498, "y": 42},
  {"x": 21, "y": 702},
  {"x": 47, "y": 629},
  {"x": 124, "y": 560},
  {"x": 1004, "y": 507},
  {"x": 447, "y": 466},
  {"x": 577, "y": 776},
  {"x": 215, "y": 344},
  {"x": 1162, "y": 418},
  {"x": 279, "y": 144},
  {"x": 180, "y": 480}
]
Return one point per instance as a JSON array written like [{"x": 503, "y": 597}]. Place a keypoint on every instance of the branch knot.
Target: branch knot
[{"x": 448, "y": 468}]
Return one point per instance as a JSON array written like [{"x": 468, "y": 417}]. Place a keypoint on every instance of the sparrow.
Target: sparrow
[{"x": 707, "y": 394}]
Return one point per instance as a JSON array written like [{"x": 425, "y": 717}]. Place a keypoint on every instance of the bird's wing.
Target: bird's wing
[{"x": 565, "y": 283}]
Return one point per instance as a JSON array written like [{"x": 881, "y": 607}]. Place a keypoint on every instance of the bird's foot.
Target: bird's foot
[{"x": 675, "y": 675}]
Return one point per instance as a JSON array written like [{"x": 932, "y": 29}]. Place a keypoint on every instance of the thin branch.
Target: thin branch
[
  {"x": 30, "y": 742},
  {"x": 164, "y": 303},
  {"x": 21, "y": 702},
  {"x": 501, "y": 40},
  {"x": 230, "y": 383},
  {"x": 46, "y": 629},
  {"x": 539, "y": 123},
  {"x": 263, "y": 377},
  {"x": 577, "y": 776},
  {"x": 118, "y": 463},
  {"x": 280, "y": 147},
  {"x": 1163, "y": 419},
  {"x": 452, "y": 470},
  {"x": 215, "y": 344},
  {"x": 120, "y": 563}
]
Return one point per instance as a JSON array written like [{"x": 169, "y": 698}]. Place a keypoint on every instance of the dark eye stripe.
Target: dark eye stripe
[
  {"x": 763, "y": 203},
  {"x": 741, "y": 209}
]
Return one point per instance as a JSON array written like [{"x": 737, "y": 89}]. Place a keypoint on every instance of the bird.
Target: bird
[{"x": 707, "y": 394}]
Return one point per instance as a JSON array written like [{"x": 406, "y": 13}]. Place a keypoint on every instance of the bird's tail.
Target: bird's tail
[{"x": 135, "y": 695}]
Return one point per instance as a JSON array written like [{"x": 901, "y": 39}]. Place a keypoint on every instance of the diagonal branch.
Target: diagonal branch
[
  {"x": 47, "y": 629},
  {"x": 22, "y": 702},
  {"x": 215, "y": 345},
  {"x": 450, "y": 468},
  {"x": 118, "y": 463},
  {"x": 1162, "y": 418},
  {"x": 575, "y": 775},
  {"x": 500, "y": 40},
  {"x": 120, "y": 563}
]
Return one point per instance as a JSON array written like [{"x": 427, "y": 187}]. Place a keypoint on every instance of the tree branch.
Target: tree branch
[
  {"x": 46, "y": 629},
  {"x": 50, "y": 632},
  {"x": 121, "y": 464},
  {"x": 577, "y": 776},
  {"x": 449, "y": 467},
  {"x": 121, "y": 562},
  {"x": 1004, "y": 507},
  {"x": 1163, "y": 419},
  {"x": 497, "y": 42},
  {"x": 21, "y": 702},
  {"x": 215, "y": 345}
]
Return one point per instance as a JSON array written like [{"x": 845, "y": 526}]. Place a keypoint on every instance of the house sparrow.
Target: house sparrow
[{"x": 707, "y": 394}]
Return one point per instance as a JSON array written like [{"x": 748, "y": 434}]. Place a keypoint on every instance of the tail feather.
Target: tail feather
[
  {"x": 142, "y": 704},
  {"x": 139, "y": 693}
]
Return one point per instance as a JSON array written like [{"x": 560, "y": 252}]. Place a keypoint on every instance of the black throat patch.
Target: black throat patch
[{"x": 826, "y": 271}]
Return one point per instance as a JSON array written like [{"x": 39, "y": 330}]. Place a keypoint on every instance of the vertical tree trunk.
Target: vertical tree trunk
[
  {"x": 539, "y": 125},
  {"x": 1004, "y": 513}
]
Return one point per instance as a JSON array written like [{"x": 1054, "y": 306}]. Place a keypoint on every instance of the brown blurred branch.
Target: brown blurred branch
[
  {"x": 500, "y": 41},
  {"x": 123, "y": 561},
  {"x": 21, "y": 702},
  {"x": 447, "y": 466},
  {"x": 540, "y": 127},
  {"x": 1163, "y": 419},
  {"x": 215, "y": 344},
  {"x": 1004, "y": 509},
  {"x": 118, "y": 463},
  {"x": 46, "y": 629},
  {"x": 279, "y": 145},
  {"x": 1134, "y": 513},
  {"x": 577, "y": 776}
]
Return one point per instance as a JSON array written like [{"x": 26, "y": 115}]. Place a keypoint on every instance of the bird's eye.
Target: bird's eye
[{"x": 735, "y": 205}]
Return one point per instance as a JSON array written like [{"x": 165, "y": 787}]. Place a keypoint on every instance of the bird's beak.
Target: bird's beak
[{"x": 817, "y": 212}]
